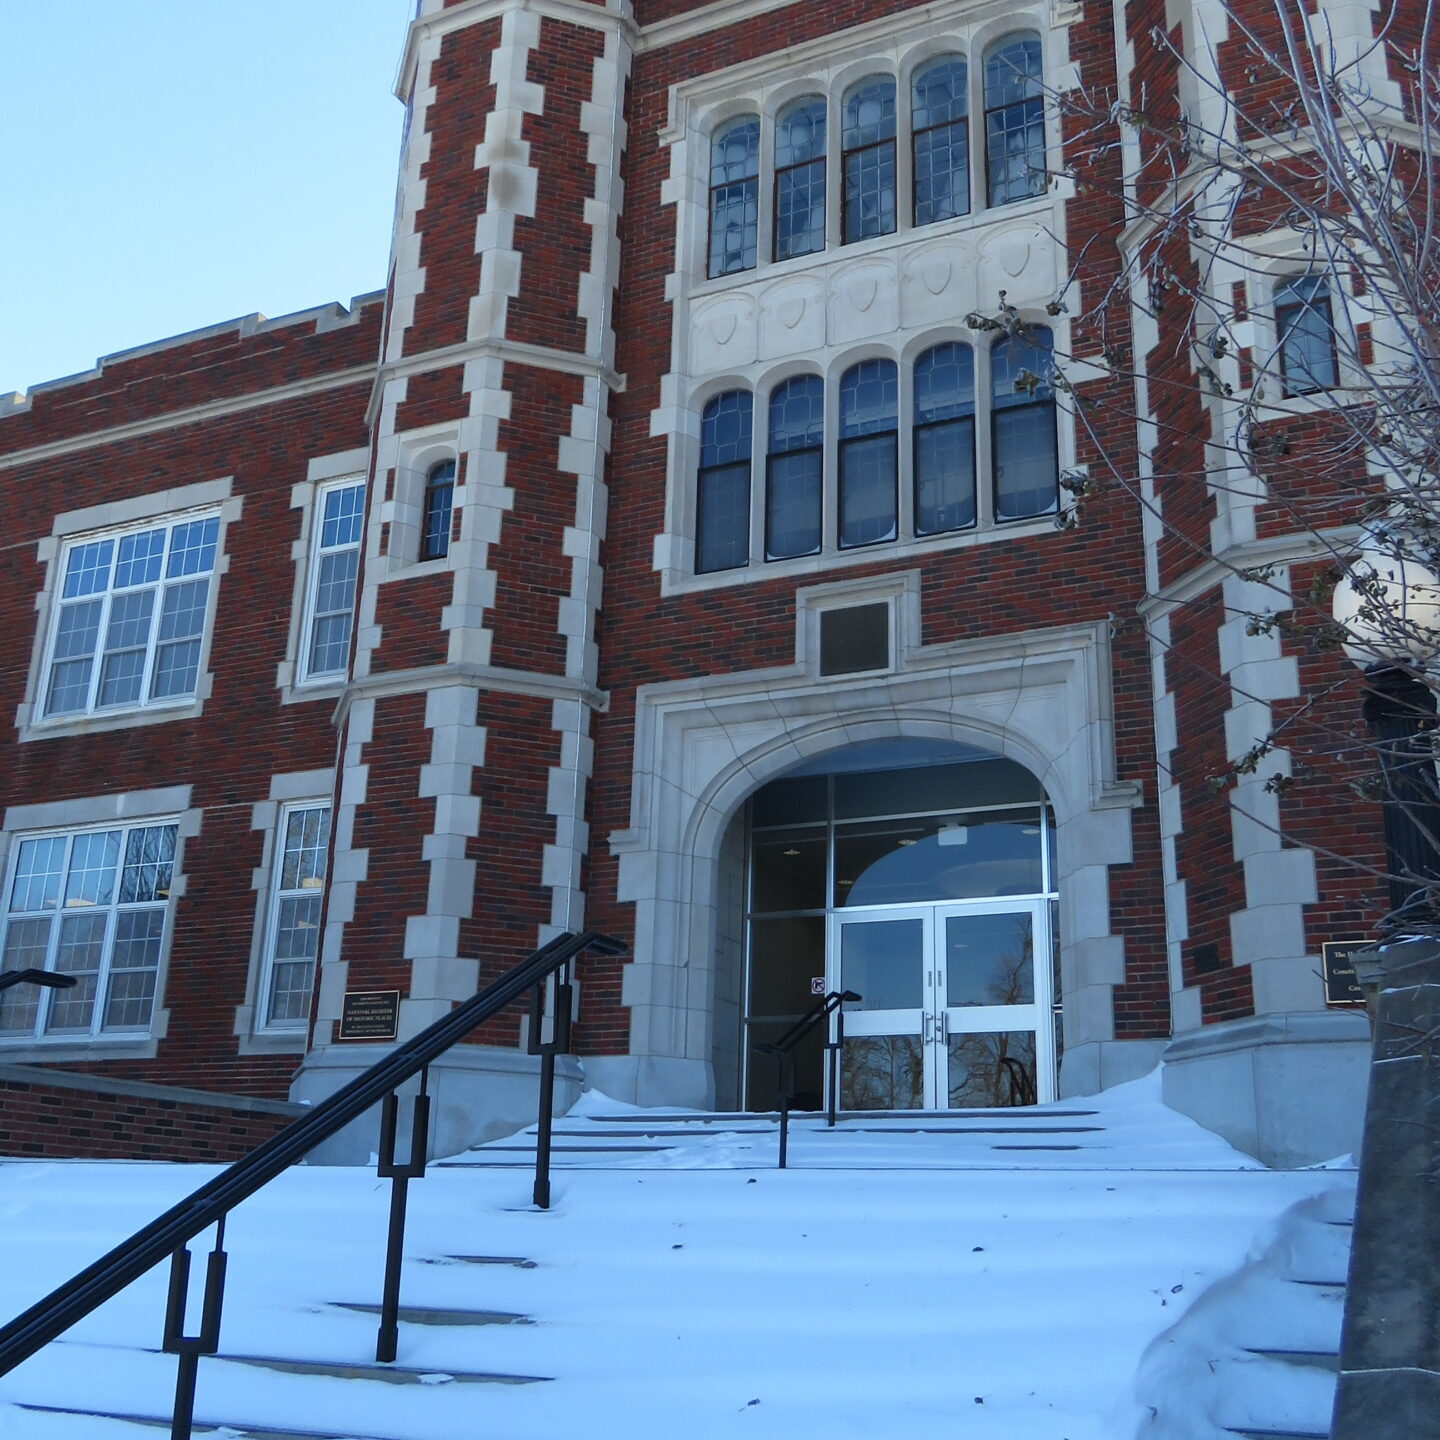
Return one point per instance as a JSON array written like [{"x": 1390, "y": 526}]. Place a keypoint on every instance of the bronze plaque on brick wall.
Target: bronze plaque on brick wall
[
  {"x": 1340, "y": 984},
  {"x": 370, "y": 1015}
]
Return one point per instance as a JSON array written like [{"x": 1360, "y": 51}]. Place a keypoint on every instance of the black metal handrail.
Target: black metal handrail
[
  {"x": 783, "y": 1050},
  {"x": 170, "y": 1233}
]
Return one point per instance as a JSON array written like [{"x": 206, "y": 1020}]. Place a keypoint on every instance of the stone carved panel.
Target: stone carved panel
[
  {"x": 792, "y": 317},
  {"x": 722, "y": 332}
]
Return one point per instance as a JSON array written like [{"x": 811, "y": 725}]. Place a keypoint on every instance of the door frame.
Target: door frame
[{"x": 935, "y": 1021}]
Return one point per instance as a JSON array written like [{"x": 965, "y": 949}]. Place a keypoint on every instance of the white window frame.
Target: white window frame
[
  {"x": 276, "y": 896},
  {"x": 318, "y": 550},
  {"x": 97, "y": 1033},
  {"x": 59, "y": 605}
]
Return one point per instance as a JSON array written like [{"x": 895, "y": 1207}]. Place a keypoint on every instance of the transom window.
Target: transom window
[
  {"x": 130, "y": 618},
  {"x": 902, "y": 146},
  {"x": 87, "y": 903},
  {"x": 334, "y": 565},
  {"x": 292, "y": 937},
  {"x": 867, "y": 487}
]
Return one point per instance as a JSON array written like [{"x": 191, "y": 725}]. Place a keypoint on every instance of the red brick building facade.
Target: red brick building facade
[{"x": 669, "y": 551}]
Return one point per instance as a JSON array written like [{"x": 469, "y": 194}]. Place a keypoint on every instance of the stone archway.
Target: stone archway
[{"x": 703, "y": 746}]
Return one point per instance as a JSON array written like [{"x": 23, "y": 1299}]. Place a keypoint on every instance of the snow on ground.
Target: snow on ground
[{"x": 885, "y": 1282}]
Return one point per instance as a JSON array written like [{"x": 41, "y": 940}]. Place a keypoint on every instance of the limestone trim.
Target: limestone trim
[
  {"x": 477, "y": 677},
  {"x": 194, "y": 415},
  {"x": 286, "y": 789},
  {"x": 514, "y": 352},
  {"x": 702, "y": 746},
  {"x": 321, "y": 470},
  {"x": 1212, "y": 570},
  {"x": 436, "y": 24},
  {"x": 205, "y": 497}
]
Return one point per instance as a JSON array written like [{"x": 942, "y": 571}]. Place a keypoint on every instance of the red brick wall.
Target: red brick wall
[{"x": 44, "y": 1120}]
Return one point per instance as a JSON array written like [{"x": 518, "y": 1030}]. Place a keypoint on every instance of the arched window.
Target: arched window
[
  {"x": 435, "y": 516},
  {"x": 800, "y": 178},
  {"x": 940, "y": 140},
  {"x": 722, "y": 487},
  {"x": 1022, "y": 426},
  {"x": 869, "y": 409},
  {"x": 734, "y": 195},
  {"x": 944, "y": 439},
  {"x": 1014, "y": 119},
  {"x": 1305, "y": 329},
  {"x": 869, "y": 159},
  {"x": 794, "y": 468}
]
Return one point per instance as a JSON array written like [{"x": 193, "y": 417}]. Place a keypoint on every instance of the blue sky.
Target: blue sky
[{"x": 171, "y": 163}]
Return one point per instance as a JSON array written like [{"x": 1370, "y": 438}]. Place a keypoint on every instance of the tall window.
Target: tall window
[
  {"x": 292, "y": 939},
  {"x": 944, "y": 441},
  {"x": 800, "y": 178},
  {"x": 869, "y": 408},
  {"x": 435, "y": 515},
  {"x": 794, "y": 468},
  {"x": 722, "y": 499},
  {"x": 869, "y": 159},
  {"x": 734, "y": 196},
  {"x": 130, "y": 618},
  {"x": 334, "y": 564},
  {"x": 1022, "y": 423},
  {"x": 1305, "y": 328},
  {"x": 1014, "y": 119},
  {"x": 87, "y": 903},
  {"x": 939, "y": 138}
]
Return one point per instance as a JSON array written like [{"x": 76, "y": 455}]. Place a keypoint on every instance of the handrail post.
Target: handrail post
[
  {"x": 541, "y": 1194},
  {"x": 788, "y": 1064},
  {"x": 832, "y": 1078},
  {"x": 548, "y": 1046},
  {"x": 189, "y": 1348},
  {"x": 387, "y": 1338}
]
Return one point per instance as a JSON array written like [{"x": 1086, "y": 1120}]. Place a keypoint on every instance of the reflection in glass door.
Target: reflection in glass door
[{"x": 955, "y": 1013}]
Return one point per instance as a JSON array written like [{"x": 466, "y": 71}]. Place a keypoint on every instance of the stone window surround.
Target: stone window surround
[
  {"x": 702, "y": 746},
  {"x": 829, "y": 66},
  {"x": 321, "y": 471},
  {"x": 71, "y": 525},
  {"x": 286, "y": 791},
  {"x": 760, "y": 381},
  {"x": 417, "y": 452},
  {"x": 171, "y": 803}
]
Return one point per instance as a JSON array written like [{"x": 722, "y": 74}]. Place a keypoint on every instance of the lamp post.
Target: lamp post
[{"x": 1389, "y": 1382}]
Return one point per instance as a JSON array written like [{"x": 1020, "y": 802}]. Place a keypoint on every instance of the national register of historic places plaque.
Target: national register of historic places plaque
[
  {"x": 1341, "y": 987},
  {"x": 370, "y": 1015}
]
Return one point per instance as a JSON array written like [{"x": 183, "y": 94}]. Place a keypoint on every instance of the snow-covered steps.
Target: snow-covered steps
[
  {"x": 1259, "y": 1354},
  {"x": 919, "y": 1285}
]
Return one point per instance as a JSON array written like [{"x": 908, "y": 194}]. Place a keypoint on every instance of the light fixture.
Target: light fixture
[
  {"x": 791, "y": 851},
  {"x": 909, "y": 840}
]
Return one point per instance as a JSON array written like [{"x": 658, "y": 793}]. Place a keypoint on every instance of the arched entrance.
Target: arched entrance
[{"x": 920, "y": 875}]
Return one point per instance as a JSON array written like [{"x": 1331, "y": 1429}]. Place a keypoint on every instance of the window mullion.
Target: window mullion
[
  {"x": 152, "y": 644},
  {"x": 97, "y": 662},
  {"x": 107, "y": 946}
]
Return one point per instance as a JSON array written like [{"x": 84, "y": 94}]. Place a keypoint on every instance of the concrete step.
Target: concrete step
[
  {"x": 386, "y": 1374},
  {"x": 517, "y": 1261},
  {"x": 433, "y": 1315},
  {"x": 229, "y": 1429},
  {"x": 1314, "y": 1359},
  {"x": 1281, "y": 1434},
  {"x": 926, "y": 1117}
]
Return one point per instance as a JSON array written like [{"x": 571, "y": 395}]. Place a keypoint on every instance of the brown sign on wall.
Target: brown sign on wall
[
  {"x": 1341, "y": 987},
  {"x": 370, "y": 1015}
]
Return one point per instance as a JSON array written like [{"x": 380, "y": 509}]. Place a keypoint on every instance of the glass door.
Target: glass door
[
  {"x": 885, "y": 959},
  {"x": 955, "y": 1012},
  {"x": 994, "y": 1029}
]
